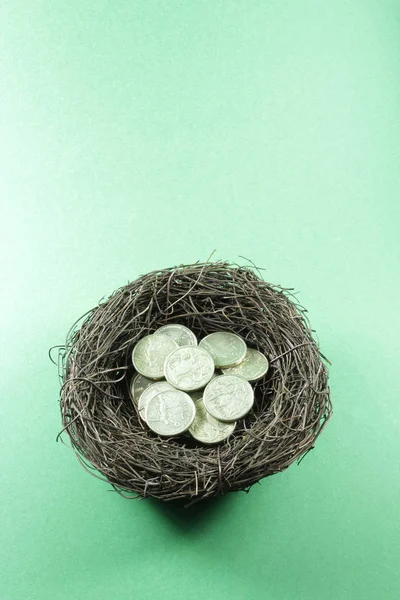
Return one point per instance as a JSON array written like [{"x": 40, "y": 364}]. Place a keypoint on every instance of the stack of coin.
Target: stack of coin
[{"x": 176, "y": 388}]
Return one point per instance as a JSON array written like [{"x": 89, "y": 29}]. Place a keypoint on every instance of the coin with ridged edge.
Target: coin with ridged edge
[
  {"x": 207, "y": 429},
  {"x": 182, "y": 335},
  {"x": 149, "y": 354},
  {"x": 189, "y": 368},
  {"x": 138, "y": 384},
  {"x": 227, "y": 349},
  {"x": 228, "y": 398},
  {"x": 170, "y": 413},
  {"x": 149, "y": 393},
  {"x": 254, "y": 366}
]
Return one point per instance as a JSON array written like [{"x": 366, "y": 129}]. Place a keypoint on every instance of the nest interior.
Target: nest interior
[{"x": 292, "y": 402}]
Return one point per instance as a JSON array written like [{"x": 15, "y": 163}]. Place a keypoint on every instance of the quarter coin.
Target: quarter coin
[
  {"x": 149, "y": 354},
  {"x": 254, "y": 366},
  {"x": 189, "y": 368},
  {"x": 170, "y": 412},
  {"x": 207, "y": 429},
  {"x": 227, "y": 349},
  {"x": 228, "y": 398},
  {"x": 138, "y": 384},
  {"x": 149, "y": 393},
  {"x": 182, "y": 335}
]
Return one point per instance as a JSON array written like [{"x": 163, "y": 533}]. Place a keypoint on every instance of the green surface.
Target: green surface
[{"x": 137, "y": 135}]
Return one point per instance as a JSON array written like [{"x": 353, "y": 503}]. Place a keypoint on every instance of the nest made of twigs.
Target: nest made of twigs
[{"x": 292, "y": 401}]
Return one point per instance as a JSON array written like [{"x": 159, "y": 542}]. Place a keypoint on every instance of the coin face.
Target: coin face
[
  {"x": 170, "y": 412},
  {"x": 149, "y": 355},
  {"x": 189, "y": 368},
  {"x": 138, "y": 384},
  {"x": 207, "y": 429},
  {"x": 228, "y": 398},
  {"x": 149, "y": 393},
  {"x": 254, "y": 366},
  {"x": 227, "y": 349},
  {"x": 179, "y": 333}
]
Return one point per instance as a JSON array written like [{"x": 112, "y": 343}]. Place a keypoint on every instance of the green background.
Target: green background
[{"x": 138, "y": 135}]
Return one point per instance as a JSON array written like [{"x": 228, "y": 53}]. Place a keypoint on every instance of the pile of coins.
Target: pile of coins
[{"x": 176, "y": 388}]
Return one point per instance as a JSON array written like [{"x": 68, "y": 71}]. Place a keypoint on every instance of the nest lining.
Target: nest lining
[{"x": 292, "y": 402}]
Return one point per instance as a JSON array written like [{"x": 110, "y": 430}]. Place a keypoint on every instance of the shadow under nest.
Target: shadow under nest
[{"x": 291, "y": 406}]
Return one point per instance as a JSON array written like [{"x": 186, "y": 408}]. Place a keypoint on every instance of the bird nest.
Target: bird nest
[{"x": 291, "y": 406}]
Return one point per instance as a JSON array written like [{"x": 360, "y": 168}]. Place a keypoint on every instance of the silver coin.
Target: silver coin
[
  {"x": 227, "y": 349},
  {"x": 254, "y": 366},
  {"x": 228, "y": 398},
  {"x": 189, "y": 368},
  {"x": 207, "y": 429},
  {"x": 179, "y": 333},
  {"x": 149, "y": 393},
  {"x": 170, "y": 412},
  {"x": 149, "y": 354},
  {"x": 138, "y": 384},
  {"x": 198, "y": 395}
]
